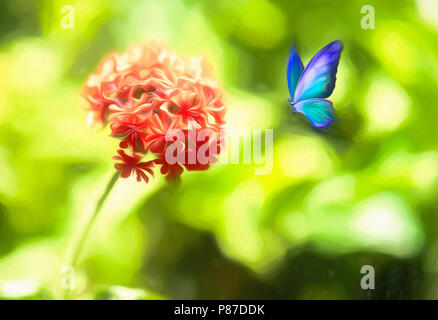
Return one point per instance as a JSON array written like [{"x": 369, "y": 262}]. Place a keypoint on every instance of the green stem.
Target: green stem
[{"x": 86, "y": 230}]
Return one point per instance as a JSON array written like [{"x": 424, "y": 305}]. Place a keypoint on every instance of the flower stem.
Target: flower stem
[{"x": 86, "y": 230}]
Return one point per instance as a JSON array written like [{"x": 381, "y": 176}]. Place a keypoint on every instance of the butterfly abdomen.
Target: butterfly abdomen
[{"x": 292, "y": 105}]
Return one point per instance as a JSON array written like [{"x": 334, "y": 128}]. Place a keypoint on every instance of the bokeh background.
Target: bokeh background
[{"x": 363, "y": 192}]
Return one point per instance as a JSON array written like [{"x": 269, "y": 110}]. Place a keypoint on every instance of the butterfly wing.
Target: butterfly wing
[
  {"x": 318, "y": 111},
  {"x": 319, "y": 77},
  {"x": 294, "y": 70}
]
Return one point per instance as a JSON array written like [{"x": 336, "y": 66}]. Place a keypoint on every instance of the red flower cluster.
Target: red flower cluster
[{"x": 143, "y": 94}]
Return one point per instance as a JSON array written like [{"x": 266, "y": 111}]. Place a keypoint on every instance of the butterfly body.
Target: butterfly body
[{"x": 309, "y": 86}]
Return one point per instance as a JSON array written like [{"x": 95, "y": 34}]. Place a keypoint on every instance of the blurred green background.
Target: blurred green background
[{"x": 362, "y": 192}]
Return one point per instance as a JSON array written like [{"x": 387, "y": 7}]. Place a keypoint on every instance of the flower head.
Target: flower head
[{"x": 143, "y": 94}]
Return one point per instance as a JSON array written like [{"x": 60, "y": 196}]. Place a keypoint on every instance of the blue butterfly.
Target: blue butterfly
[{"x": 308, "y": 88}]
